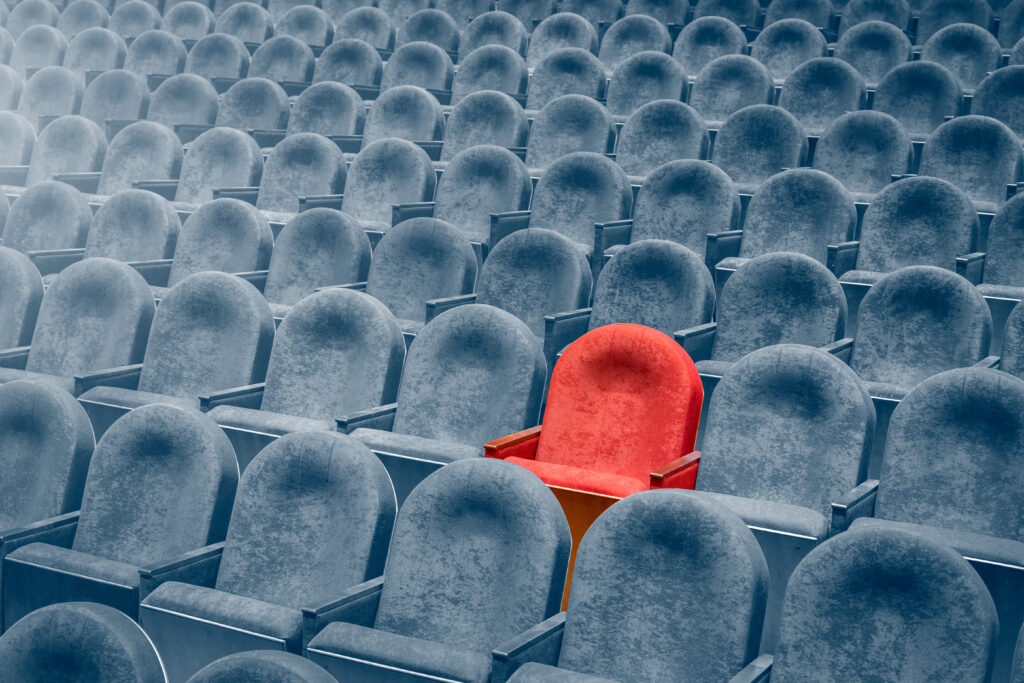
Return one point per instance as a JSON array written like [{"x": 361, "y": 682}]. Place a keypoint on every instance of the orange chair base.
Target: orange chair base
[{"x": 581, "y": 509}]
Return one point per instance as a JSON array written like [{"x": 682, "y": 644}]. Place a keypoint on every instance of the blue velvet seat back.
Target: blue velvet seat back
[
  {"x": 935, "y": 15},
  {"x": 32, "y": 13},
  {"x": 327, "y": 108},
  {"x": 705, "y": 39},
  {"x": 283, "y": 58},
  {"x": 156, "y": 52},
  {"x": 817, "y": 13},
  {"x": 133, "y": 18},
  {"x": 17, "y": 137},
  {"x": 740, "y": 12},
  {"x": 821, "y": 90},
  {"x": 493, "y": 28},
  {"x": 389, "y": 171},
  {"x": 369, "y": 24},
  {"x": 301, "y": 165},
  {"x": 1012, "y": 359},
  {"x": 560, "y": 30},
  {"x": 223, "y": 234},
  {"x": 95, "y": 49},
  {"x": 659, "y": 132},
  {"x": 71, "y": 144},
  {"x": 244, "y": 21},
  {"x": 184, "y": 98},
  {"x": 665, "y": 11},
  {"x": 759, "y": 141},
  {"x": 256, "y": 665},
  {"x": 485, "y": 117},
  {"x": 140, "y": 151},
  {"x": 405, "y": 111},
  {"x": 863, "y": 150},
  {"x": 490, "y": 67},
  {"x": 418, "y": 63},
  {"x": 970, "y": 52},
  {"x": 729, "y": 83},
  {"x": 218, "y": 55},
  {"x": 786, "y": 44},
  {"x": 51, "y": 91},
  {"x": 220, "y": 157},
  {"x": 630, "y": 35},
  {"x": 134, "y": 225},
  {"x": 644, "y": 77},
  {"x": 116, "y": 94},
  {"x": 188, "y": 20},
  {"x": 48, "y": 215},
  {"x": 566, "y": 124},
  {"x": 999, "y": 96},
  {"x": 896, "y": 13},
  {"x": 21, "y": 293},
  {"x": 430, "y": 25},
  {"x": 567, "y": 70},
  {"x": 594, "y": 11},
  {"x": 309, "y": 24},
  {"x": 874, "y": 48},
  {"x": 253, "y": 103},
  {"x": 80, "y": 15}
]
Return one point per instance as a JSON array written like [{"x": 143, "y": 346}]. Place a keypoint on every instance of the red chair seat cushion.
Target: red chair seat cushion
[{"x": 593, "y": 481}]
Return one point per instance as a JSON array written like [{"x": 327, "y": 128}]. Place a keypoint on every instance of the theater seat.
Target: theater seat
[
  {"x": 247, "y": 666},
  {"x": 566, "y": 71},
  {"x": 730, "y": 83},
  {"x": 1002, "y": 284},
  {"x": 133, "y": 18},
  {"x": 327, "y": 108},
  {"x": 51, "y": 91},
  {"x": 493, "y": 28},
  {"x": 220, "y": 157},
  {"x": 786, "y": 44},
  {"x": 936, "y": 14},
  {"x": 406, "y": 112},
  {"x": 369, "y": 24},
  {"x": 968, "y": 51},
  {"x": 863, "y": 150},
  {"x": 48, "y": 215},
  {"x": 567, "y": 124},
  {"x": 188, "y": 20},
  {"x": 350, "y": 61},
  {"x": 874, "y": 48},
  {"x": 218, "y": 55},
  {"x": 920, "y": 95},
  {"x": 253, "y": 103},
  {"x": 283, "y": 58},
  {"x": 140, "y": 151},
  {"x": 68, "y": 145},
  {"x": 183, "y": 99},
  {"x": 132, "y": 226},
  {"x": 893, "y": 12},
  {"x": 21, "y": 292},
  {"x": 302, "y": 164},
  {"x": 38, "y": 46},
  {"x": 558, "y": 31},
  {"x": 999, "y": 96},
  {"x": 17, "y": 137},
  {"x": 418, "y": 63},
  {"x": 757, "y": 142},
  {"x": 310, "y": 25},
  {"x": 95, "y": 49},
  {"x": 485, "y": 117},
  {"x": 705, "y": 39},
  {"x": 490, "y": 67},
  {"x": 247, "y": 21},
  {"x": 156, "y": 52},
  {"x": 821, "y": 90},
  {"x": 117, "y": 94},
  {"x": 630, "y": 35},
  {"x": 389, "y": 171},
  {"x": 431, "y": 26},
  {"x": 642, "y": 78},
  {"x": 80, "y": 15}
]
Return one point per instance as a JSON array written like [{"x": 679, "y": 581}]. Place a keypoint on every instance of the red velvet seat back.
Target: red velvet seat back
[{"x": 624, "y": 399}]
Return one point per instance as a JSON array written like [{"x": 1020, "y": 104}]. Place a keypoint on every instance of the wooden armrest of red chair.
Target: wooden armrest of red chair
[
  {"x": 678, "y": 474},
  {"x": 521, "y": 445}
]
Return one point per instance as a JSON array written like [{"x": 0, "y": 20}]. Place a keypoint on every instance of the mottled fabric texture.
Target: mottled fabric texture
[
  {"x": 220, "y": 157},
  {"x": 820, "y": 90},
  {"x": 218, "y": 55},
  {"x": 133, "y": 225},
  {"x": 95, "y": 49},
  {"x": 253, "y": 103},
  {"x": 51, "y": 91},
  {"x": 919, "y": 321},
  {"x": 212, "y": 331},
  {"x": 532, "y": 672},
  {"x": 920, "y": 95},
  {"x": 430, "y": 25},
  {"x": 630, "y": 35},
  {"x": 283, "y": 58},
  {"x": 404, "y": 111},
  {"x": 188, "y": 20},
  {"x": 656, "y": 283},
  {"x": 533, "y": 273},
  {"x": 486, "y": 117},
  {"x": 79, "y": 641},
  {"x": 729, "y": 83},
  {"x": 262, "y": 666},
  {"x": 31, "y": 13},
  {"x": 530, "y": 12},
  {"x": 968, "y": 51},
  {"x": 757, "y": 142},
  {"x": 659, "y": 132},
  {"x": 418, "y": 63},
  {"x": 389, "y": 171},
  {"x": 133, "y": 18},
  {"x": 1012, "y": 360},
  {"x": 815, "y": 12},
  {"x": 71, "y": 144},
  {"x": 115, "y": 94},
  {"x": 684, "y": 201},
  {"x": 21, "y": 293},
  {"x": 568, "y": 70},
  {"x": 874, "y": 48},
  {"x": 1000, "y": 96},
  {"x": 418, "y": 260},
  {"x": 39, "y": 46},
  {"x": 141, "y": 151},
  {"x": 309, "y": 24},
  {"x": 779, "y": 298},
  {"x": 317, "y": 248},
  {"x": 493, "y": 28},
  {"x": 801, "y": 210},
  {"x": 369, "y": 24},
  {"x": 156, "y": 52},
  {"x": 48, "y": 215},
  {"x": 787, "y": 424},
  {"x": 740, "y": 12},
  {"x": 337, "y": 352},
  {"x": 896, "y": 13},
  {"x": 17, "y": 137},
  {"x": 917, "y": 221},
  {"x": 969, "y": 420},
  {"x": 246, "y": 21},
  {"x": 577, "y": 191},
  {"x": 1011, "y": 25},
  {"x": 936, "y": 15},
  {"x": 862, "y": 150},
  {"x": 46, "y": 441},
  {"x": 786, "y": 44},
  {"x": 566, "y": 124},
  {"x": 685, "y": 578},
  {"x": 644, "y": 77},
  {"x": 184, "y": 98},
  {"x": 907, "y": 596},
  {"x": 1018, "y": 661},
  {"x": 665, "y": 11},
  {"x": 490, "y": 67},
  {"x": 560, "y": 30},
  {"x": 161, "y": 482},
  {"x": 327, "y": 108},
  {"x": 303, "y": 164},
  {"x": 223, "y": 234},
  {"x": 80, "y": 15},
  {"x": 706, "y": 39},
  {"x": 473, "y": 373}
]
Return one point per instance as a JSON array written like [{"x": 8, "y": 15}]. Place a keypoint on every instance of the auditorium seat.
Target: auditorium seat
[
  {"x": 38, "y": 47},
  {"x": 669, "y": 12},
  {"x": 74, "y": 639},
  {"x": 1002, "y": 283},
  {"x": 283, "y": 58},
  {"x": 51, "y": 91},
  {"x": 893, "y": 12},
  {"x": 817, "y": 13},
  {"x": 21, "y": 292},
  {"x": 387, "y": 172},
  {"x": 247, "y": 21},
  {"x": 418, "y": 63},
  {"x": 133, "y": 225},
  {"x": 463, "y": 11},
  {"x": 968, "y": 51},
  {"x": 310, "y": 25},
  {"x": 220, "y": 157},
  {"x": 567, "y": 124},
  {"x": 873, "y": 48},
  {"x": 188, "y": 20},
  {"x": 863, "y": 150},
  {"x": 95, "y": 49},
  {"x": 369, "y": 24},
  {"x": 1011, "y": 341},
  {"x": 565, "y": 71},
  {"x": 184, "y": 99},
  {"x": 159, "y": 485},
  {"x": 303, "y": 164},
  {"x": 133, "y": 18},
  {"x": 6, "y": 43},
  {"x": 80, "y": 15},
  {"x": 632, "y": 34},
  {"x": 490, "y": 67},
  {"x": 448, "y": 595},
  {"x": 530, "y": 12},
  {"x": 820, "y": 91},
  {"x": 757, "y": 142},
  {"x": 10, "y": 87},
  {"x": 938, "y": 14},
  {"x": 660, "y": 564},
  {"x": 730, "y": 83},
  {"x": 786, "y": 44},
  {"x": 278, "y": 8},
  {"x": 327, "y": 108},
  {"x": 705, "y": 39},
  {"x": 17, "y": 137},
  {"x": 140, "y": 151},
  {"x": 430, "y": 26},
  {"x": 253, "y": 103},
  {"x": 349, "y": 61},
  {"x": 920, "y": 95},
  {"x": 642, "y": 78},
  {"x": 739, "y": 12},
  {"x": 407, "y": 112},
  {"x": 300, "y": 536},
  {"x": 493, "y": 28},
  {"x": 28, "y": 13},
  {"x": 116, "y": 94},
  {"x": 250, "y": 665},
  {"x": 48, "y": 215},
  {"x": 218, "y": 55},
  {"x": 558, "y": 31},
  {"x": 659, "y": 132},
  {"x": 486, "y": 117},
  {"x": 1001, "y": 96},
  {"x": 400, "y": 10}
]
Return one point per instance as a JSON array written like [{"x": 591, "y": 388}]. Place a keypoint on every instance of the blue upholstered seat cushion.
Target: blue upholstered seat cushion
[
  {"x": 794, "y": 519},
  {"x": 130, "y": 398},
  {"x": 390, "y": 649},
  {"x": 267, "y": 421},
  {"x": 542, "y": 673},
  {"x": 417, "y": 446},
  {"x": 69, "y": 561},
  {"x": 12, "y": 374},
  {"x": 262, "y": 666},
  {"x": 981, "y": 546}
]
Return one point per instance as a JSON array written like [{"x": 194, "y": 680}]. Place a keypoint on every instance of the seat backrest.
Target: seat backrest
[
  {"x": 490, "y": 67},
  {"x": 1012, "y": 357},
  {"x": 25, "y": 15},
  {"x": 730, "y": 83},
  {"x": 665, "y": 11},
  {"x": 220, "y": 157},
  {"x": 852, "y": 579},
  {"x": 817, "y": 13},
  {"x": 820, "y": 91},
  {"x": 37, "y": 47},
  {"x": 303, "y": 164},
  {"x": 919, "y": 321},
  {"x": 117, "y": 94},
  {"x": 406, "y": 111},
  {"x": 160, "y": 482},
  {"x": 140, "y": 151},
  {"x": 920, "y": 95},
  {"x": 51, "y": 91},
  {"x": 48, "y": 215},
  {"x": 642, "y": 78},
  {"x": 788, "y": 424},
  {"x": 351, "y": 61},
  {"x": 462, "y": 12},
  {"x": 479, "y": 554},
  {"x": 418, "y": 63},
  {"x": 253, "y": 103},
  {"x": 757, "y": 142},
  {"x": 218, "y": 55},
  {"x": 327, "y": 108},
  {"x": 485, "y": 117},
  {"x": 188, "y": 20},
  {"x": 632, "y": 34},
  {"x": 369, "y": 24},
  {"x": 786, "y": 44},
  {"x": 431, "y": 26},
  {"x": 740, "y": 12},
  {"x": 1004, "y": 258},
  {"x": 668, "y": 563},
  {"x": 652, "y": 419},
  {"x": 327, "y": 502},
  {"x": 184, "y": 98},
  {"x": 1011, "y": 24},
  {"x": 283, "y": 58},
  {"x": 566, "y": 124},
  {"x": 400, "y": 10},
  {"x": 224, "y": 234},
  {"x": 779, "y": 298},
  {"x": 17, "y": 137},
  {"x": 134, "y": 18},
  {"x": 530, "y": 12},
  {"x": 133, "y": 225},
  {"x": 389, "y": 171},
  {"x": 565, "y": 71},
  {"x": 1001, "y": 96},
  {"x": 863, "y": 150},
  {"x": 70, "y": 144},
  {"x": 874, "y": 48},
  {"x": 95, "y": 49},
  {"x": 80, "y": 15},
  {"x": 896, "y": 13},
  {"x": 937, "y": 14},
  {"x": 493, "y": 28},
  {"x": 659, "y": 132},
  {"x": 10, "y": 87},
  {"x": 968, "y": 51},
  {"x": 252, "y": 664},
  {"x": 309, "y": 24},
  {"x": 560, "y": 30},
  {"x": 706, "y": 39},
  {"x": 597, "y": 12},
  {"x": 21, "y": 292},
  {"x": 247, "y": 21}
]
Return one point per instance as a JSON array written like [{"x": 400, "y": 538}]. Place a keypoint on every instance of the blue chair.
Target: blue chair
[{"x": 247, "y": 666}]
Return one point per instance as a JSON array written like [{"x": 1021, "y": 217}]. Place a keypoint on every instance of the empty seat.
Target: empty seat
[
  {"x": 350, "y": 61},
  {"x": 253, "y": 103},
  {"x": 80, "y": 15},
  {"x": 894, "y": 12},
  {"x": 328, "y": 536},
  {"x": 405, "y": 111},
  {"x": 485, "y": 117},
  {"x": 874, "y": 48},
  {"x": 115, "y": 95},
  {"x": 565, "y": 71},
  {"x": 597, "y": 12},
  {"x": 643, "y": 78},
  {"x": 67, "y": 639},
  {"x": 309, "y": 24},
  {"x": 558, "y": 31},
  {"x": 188, "y": 20},
  {"x": 446, "y": 598},
  {"x": 938, "y": 14},
  {"x": 491, "y": 67},
  {"x": 530, "y": 12},
  {"x": 666, "y": 11},
  {"x": 418, "y": 63},
  {"x": 462, "y": 11},
  {"x": 327, "y": 108},
  {"x": 134, "y": 18},
  {"x": 739, "y": 12},
  {"x": 400, "y": 10},
  {"x": 706, "y": 39},
  {"x": 222, "y": 235},
  {"x": 156, "y": 52},
  {"x": 660, "y": 132},
  {"x": 630, "y": 35},
  {"x": 22, "y": 288},
  {"x": 220, "y": 157},
  {"x": 17, "y": 136},
  {"x": 48, "y": 215},
  {"x": 283, "y": 58},
  {"x": 389, "y": 171},
  {"x": 51, "y": 91},
  {"x": 71, "y": 144},
  {"x": 1003, "y": 285},
  {"x": 862, "y": 150},
  {"x": 218, "y": 55},
  {"x": 728, "y": 84},
  {"x": 38, "y": 47},
  {"x": 278, "y": 8},
  {"x": 369, "y": 24},
  {"x": 247, "y": 21},
  {"x": 493, "y": 28},
  {"x": 303, "y": 164},
  {"x": 1011, "y": 26},
  {"x": 430, "y": 26},
  {"x": 787, "y": 44},
  {"x": 757, "y": 142},
  {"x": 25, "y": 15},
  {"x": 142, "y": 151},
  {"x": 968, "y": 51},
  {"x": 10, "y": 88},
  {"x": 999, "y": 96},
  {"x": 255, "y": 663},
  {"x": 820, "y": 91},
  {"x": 133, "y": 225},
  {"x": 183, "y": 99},
  {"x": 1012, "y": 348},
  {"x": 571, "y": 123},
  {"x": 920, "y": 95},
  {"x": 815, "y": 12}
]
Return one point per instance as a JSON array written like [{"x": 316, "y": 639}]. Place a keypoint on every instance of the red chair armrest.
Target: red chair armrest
[
  {"x": 678, "y": 474},
  {"x": 521, "y": 445}
]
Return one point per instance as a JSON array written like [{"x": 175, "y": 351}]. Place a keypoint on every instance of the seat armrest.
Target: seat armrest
[
  {"x": 520, "y": 445},
  {"x": 971, "y": 266},
  {"x": 842, "y": 257},
  {"x": 197, "y": 567},
  {"x": 358, "y": 286},
  {"x": 562, "y": 329},
  {"x": 358, "y": 605},
  {"x": 381, "y": 417},
  {"x": 758, "y": 671},
  {"x": 124, "y": 377},
  {"x": 541, "y": 643},
  {"x": 55, "y": 260},
  {"x": 436, "y": 307},
  {"x": 317, "y": 201},
  {"x": 722, "y": 245},
  {"x": 165, "y": 188},
  {"x": 59, "y": 530},
  {"x": 697, "y": 341},
  {"x": 901, "y": 176},
  {"x": 987, "y": 362},
  {"x": 504, "y": 224},
  {"x": 155, "y": 272},
  {"x": 268, "y": 137},
  {"x": 14, "y": 358},
  {"x": 403, "y": 212},
  {"x": 607, "y": 235},
  {"x": 87, "y": 182},
  {"x": 681, "y": 473},
  {"x": 841, "y": 349},
  {"x": 246, "y": 194},
  {"x": 860, "y": 502},
  {"x": 248, "y": 396},
  {"x": 258, "y": 278},
  {"x": 13, "y": 175}
]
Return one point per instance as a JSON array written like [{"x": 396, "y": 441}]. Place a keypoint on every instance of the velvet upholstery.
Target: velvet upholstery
[
  {"x": 644, "y": 77},
  {"x": 400, "y": 10},
  {"x": 935, "y": 15},
  {"x": 863, "y": 150},
  {"x": 630, "y": 35},
  {"x": 327, "y": 108},
  {"x": 1003, "y": 260},
  {"x": 220, "y": 157},
  {"x": 916, "y": 322},
  {"x": 940, "y": 606},
  {"x": 490, "y": 67},
  {"x": 705, "y": 39},
  {"x": 223, "y": 234},
  {"x": 533, "y": 273},
  {"x": 999, "y": 96},
  {"x": 577, "y": 191},
  {"x": 730, "y": 83},
  {"x": 740, "y": 12},
  {"x": 418, "y": 260},
  {"x": 530, "y": 12},
  {"x": 786, "y": 44},
  {"x": 565, "y": 71},
  {"x": 309, "y": 24},
  {"x": 115, "y": 95},
  {"x": 31, "y": 13},
  {"x": 757, "y": 142},
  {"x": 21, "y": 293},
  {"x": 659, "y": 132},
  {"x": 247, "y": 21},
  {"x": 477, "y": 182},
  {"x": 71, "y": 144},
  {"x": 253, "y": 103},
  {"x": 968, "y": 51},
  {"x": 80, "y": 15},
  {"x": 1011, "y": 25},
  {"x": 821, "y": 90},
  {"x": 896, "y": 13},
  {"x": 144, "y": 150},
  {"x": 48, "y": 215},
  {"x": 485, "y": 117},
  {"x": 560, "y": 30},
  {"x": 389, "y": 171},
  {"x": 665, "y": 563},
  {"x": 431, "y": 26},
  {"x": 261, "y": 666},
  {"x": 38, "y": 46},
  {"x": 462, "y": 11},
  {"x": 594, "y": 11},
  {"x": 566, "y": 124},
  {"x": 317, "y": 248},
  {"x": 10, "y": 87},
  {"x": 977, "y": 154},
  {"x": 133, "y": 225},
  {"x": 133, "y": 18},
  {"x": 51, "y": 91},
  {"x": 184, "y": 98},
  {"x": 779, "y": 298},
  {"x": 665, "y": 11},
  {"x": 920, "y": 95},
  {"x": 874, "y": 48},
  {"x": 79, "y": 641},
  {"x": 407, "y": 112},
  {"x": 17, "y": 137},
  {"x": 283, "y": 58},
  {"x": 1018, "y": 661},
  {"x": 302, "y": 164},
  {"x": 493, "y": 28},
  {"x": 218, "y": 55},
  {"x": 369, "y": 24},
  {"x": 188, "y": 20},
  {"x": 156, "y": 52},
  {"x": 418, "y": 63},
  {"x": 279, "y": 8},
  {"x": 818, "y": 13},
  {"x": 96, "y": 49}
]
